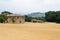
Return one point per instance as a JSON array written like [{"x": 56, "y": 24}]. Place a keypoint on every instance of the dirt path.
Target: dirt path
[{"x": 30, "y": 31}]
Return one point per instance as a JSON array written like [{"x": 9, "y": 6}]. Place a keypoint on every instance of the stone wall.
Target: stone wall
[{"x": 17, "y": 19}]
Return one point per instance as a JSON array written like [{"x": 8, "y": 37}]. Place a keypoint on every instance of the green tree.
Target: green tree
[
  {"x": 58, "y": 16},
  {"x": 6, "y": 12},
  {"x": 27, "y": 18},
  {"x": 3, "y": 18},
  {"x": 52, "y": 16}
]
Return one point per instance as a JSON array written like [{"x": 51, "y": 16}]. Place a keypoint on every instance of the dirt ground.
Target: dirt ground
[{"x": 30, "y": 31}]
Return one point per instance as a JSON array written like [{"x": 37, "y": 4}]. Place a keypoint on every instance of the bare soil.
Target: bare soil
[{"x": 30, "y": 31}]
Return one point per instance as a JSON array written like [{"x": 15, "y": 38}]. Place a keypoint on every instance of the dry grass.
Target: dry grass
[{"x": 30, "y": 31}]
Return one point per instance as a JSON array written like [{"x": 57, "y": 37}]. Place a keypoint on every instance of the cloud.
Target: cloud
[{"x": 26, "y": 6}]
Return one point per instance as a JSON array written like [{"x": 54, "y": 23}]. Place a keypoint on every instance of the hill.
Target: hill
[{"x": 37, "y": 14}]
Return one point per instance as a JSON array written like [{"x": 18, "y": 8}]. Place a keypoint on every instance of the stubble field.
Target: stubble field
[{"x": 30, "y": 31}]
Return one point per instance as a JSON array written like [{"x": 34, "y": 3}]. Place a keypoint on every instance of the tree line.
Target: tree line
[
  {"x": 50, "y": 16},
  {"x": 53, "y": 16},
  {"x": 28, "y": 18}
]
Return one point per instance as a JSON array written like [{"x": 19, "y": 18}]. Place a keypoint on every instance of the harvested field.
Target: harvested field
[{"x": 30, "y": 31}]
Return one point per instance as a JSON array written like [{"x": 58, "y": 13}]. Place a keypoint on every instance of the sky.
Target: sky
[{"x": 29, "y": 6}]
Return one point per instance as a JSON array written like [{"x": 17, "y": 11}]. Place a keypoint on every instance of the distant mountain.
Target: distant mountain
[{"x": 37, "y": 14}]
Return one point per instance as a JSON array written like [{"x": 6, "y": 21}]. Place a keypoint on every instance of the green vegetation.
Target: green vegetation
[
  {"x": 52, "y": 16},
  {"x": 6, "y": 12},
  {"x": 28, "y": 18},
  {"x": 3, "y": 16}
]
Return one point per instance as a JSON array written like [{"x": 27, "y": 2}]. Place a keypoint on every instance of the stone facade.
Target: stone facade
[{"x": 15, "y": 18}]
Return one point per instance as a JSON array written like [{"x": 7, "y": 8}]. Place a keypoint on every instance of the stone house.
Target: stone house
[{"x": 15, "y": 18}]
